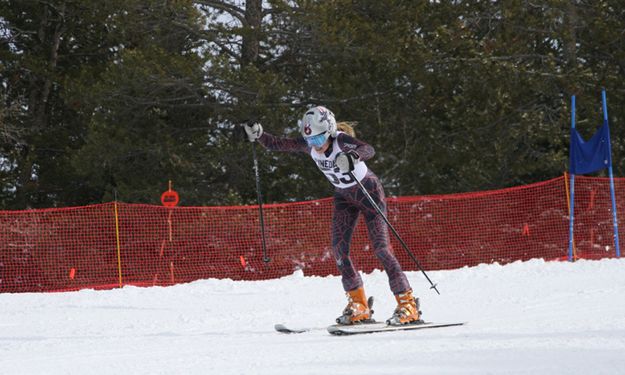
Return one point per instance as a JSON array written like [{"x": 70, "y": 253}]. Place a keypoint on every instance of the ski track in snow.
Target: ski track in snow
[{"x": 531, "y": 317}]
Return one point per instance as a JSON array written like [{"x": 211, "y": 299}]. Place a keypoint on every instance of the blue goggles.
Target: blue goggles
[{"x": 316, "y": 140}]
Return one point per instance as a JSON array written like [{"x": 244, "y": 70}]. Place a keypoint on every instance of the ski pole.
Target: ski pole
[
  {"x": 259, "y": 197},
  {"x": 414, "y": 259}
]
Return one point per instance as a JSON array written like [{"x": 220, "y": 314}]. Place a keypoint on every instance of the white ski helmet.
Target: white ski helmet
[{"x": 317, "y": 125}]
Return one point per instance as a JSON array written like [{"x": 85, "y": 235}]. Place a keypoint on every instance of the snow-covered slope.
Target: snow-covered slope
[{"x": 524, "y": 318}]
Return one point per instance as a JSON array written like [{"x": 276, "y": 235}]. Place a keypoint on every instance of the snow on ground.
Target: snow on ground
[{"x": 524, "y": 318}]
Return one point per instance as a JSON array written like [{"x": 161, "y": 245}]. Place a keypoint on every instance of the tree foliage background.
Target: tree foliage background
[{"x": 114, "y": 98}]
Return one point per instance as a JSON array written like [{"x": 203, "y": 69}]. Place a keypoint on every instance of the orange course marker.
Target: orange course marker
[{"x": 72, "y": 273}]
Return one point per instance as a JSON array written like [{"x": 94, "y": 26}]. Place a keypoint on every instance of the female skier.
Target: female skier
[{"x": 336, "y": 152}]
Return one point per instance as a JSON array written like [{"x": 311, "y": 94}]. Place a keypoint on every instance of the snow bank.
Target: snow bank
[{"x": 534, "y": 317}]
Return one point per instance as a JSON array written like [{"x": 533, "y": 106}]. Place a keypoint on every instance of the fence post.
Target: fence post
[
  {"x": 572, "y": 250},
  {"x": 119, "y": 253},
  {"x": 612, "y": 194},
  {"x": 572, "y": 190}
]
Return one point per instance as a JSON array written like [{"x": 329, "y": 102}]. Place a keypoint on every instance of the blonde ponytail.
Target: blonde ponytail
[{"x": 347, "y": 127}]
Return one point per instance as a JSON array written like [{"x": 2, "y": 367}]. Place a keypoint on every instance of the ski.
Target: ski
[
  {"x": 357, "y": 329},
  {"x": 343, "y": 330},
  {"x": 284, "y": 329}
]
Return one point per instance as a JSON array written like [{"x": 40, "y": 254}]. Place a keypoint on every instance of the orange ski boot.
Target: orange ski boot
[
  {"x": 407, "y": 311},
  {"x": 358, "y": 309}
]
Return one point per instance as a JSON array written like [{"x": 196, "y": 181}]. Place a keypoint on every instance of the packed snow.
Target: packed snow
[{"x": 531, "y": 317}]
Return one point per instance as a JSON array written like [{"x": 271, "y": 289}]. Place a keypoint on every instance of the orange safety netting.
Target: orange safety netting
[{"x": 114, "y": 244}]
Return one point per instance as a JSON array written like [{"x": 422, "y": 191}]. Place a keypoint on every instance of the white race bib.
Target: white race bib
[{"x": 327, "y": 167}]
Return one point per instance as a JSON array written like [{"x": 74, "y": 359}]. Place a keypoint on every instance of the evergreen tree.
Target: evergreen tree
[
  {"x": 122, "y": 96},
  {"x": 148, "y": 113}
]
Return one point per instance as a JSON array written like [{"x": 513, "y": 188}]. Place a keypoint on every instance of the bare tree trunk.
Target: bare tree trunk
[
  {"x": 49, "y": 34},
  {"x": 570, "y": 34},
  {"x": 55, "y": 42},
  {"x": 251, "y": 37}
]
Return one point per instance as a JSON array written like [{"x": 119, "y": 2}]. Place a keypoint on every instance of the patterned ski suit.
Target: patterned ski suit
[{"x": 349, "y": 202}]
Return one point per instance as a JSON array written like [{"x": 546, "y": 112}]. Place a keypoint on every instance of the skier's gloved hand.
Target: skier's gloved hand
[
  {"x": 345, "y": 161},
  {"x": 253, "y": 131}
]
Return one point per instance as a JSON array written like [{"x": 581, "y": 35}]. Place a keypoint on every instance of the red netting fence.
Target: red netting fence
[{"x": 113, "y": 244}]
